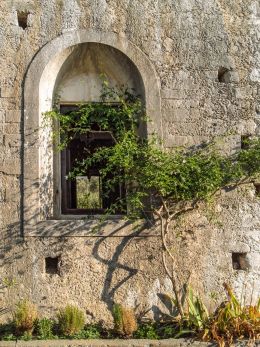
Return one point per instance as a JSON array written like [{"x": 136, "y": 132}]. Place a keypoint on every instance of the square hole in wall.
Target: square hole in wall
[
  {"x": 52, "y": 265},
  {"x": 245, "y": 140},
  {"x": 257, "y": 189},
  {"x": 22, "y": 18},
  {"x": 223, "y": 75},
  {"x": 239, "y": 261}
]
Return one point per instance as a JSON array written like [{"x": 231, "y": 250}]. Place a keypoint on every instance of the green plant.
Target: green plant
[
  {"x": 174, "y": 181},
  {"x": 7, "y": 331},
  {"x": 70, "y": 320},
  {"x": 92, "y": 332},
  {"x": 8, "y": 337},
  {"x": 147, "y": 331},
  {"x": 198, "y": 315},
  {"x": 26, "y": 336},
  {"x": 124, "y": 320},
  {"x": 229, "y": 322},
  {"x": 89, "y": 332},
  {"x": 44, "y": 328},
  {"x": 25, "y": 316},
  {"x": 168, "y": 331},
  {"x": 233, "y": 321},
  {"x": 119, "y": 111}
]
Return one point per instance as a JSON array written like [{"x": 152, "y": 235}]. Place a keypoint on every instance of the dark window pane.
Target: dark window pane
[{"x": 87, "y": 193}]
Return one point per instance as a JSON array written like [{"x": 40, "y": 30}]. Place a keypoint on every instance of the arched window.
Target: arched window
[
  {"x": 79, "y": 81},
  {"x": 69, "y": 67}
]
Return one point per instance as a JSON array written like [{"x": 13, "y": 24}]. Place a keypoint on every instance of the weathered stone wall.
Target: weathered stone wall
[
  {"x": 189, "y": 43},
  {"x": 117, "y": 343}
]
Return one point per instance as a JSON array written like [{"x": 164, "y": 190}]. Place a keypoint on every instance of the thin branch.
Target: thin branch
[
  {"x": 174, "y": 285},
  {"x": 165, "y": 207}
]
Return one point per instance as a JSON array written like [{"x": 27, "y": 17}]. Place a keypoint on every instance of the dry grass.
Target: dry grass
[
  {"x": 231, "y": 321},
  {"x": 25, "y": 316},
  {"x": 124, "y": 320}
]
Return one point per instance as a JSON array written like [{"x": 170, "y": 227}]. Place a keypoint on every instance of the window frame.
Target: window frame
[{"x": 65, "y": 191}]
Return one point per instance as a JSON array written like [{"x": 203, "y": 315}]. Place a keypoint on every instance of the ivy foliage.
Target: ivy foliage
[
  {"x": 149, "y": 170},
  {"x": 159, "y": 181},
  {"x": 118, "y": 111},
  {"x": 174, "y": 175}
]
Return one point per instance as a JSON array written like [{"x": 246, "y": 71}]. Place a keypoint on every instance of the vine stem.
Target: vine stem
[{"x": 164, "y": 228}]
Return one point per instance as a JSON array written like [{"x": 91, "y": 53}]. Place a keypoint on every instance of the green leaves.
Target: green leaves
[
  {"x": 173, "y": 175},
  {"x": 198, "y": 315},
  {"x": 118, "y": 112},
  {"x": 147, "y": 169}
]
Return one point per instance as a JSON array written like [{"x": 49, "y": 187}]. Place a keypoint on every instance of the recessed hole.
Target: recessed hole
[
  {"x": 239, "y": 261},
  {"x": 223, "y": 75},
  {"x": 22, "y": 19},
  {"x": 245, "y": 139},
  {"x": 257, "y": 189},
  {"x": 52, "y": 265}
]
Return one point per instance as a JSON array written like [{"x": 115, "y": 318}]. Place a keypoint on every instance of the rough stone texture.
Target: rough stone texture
[
  {"x": 119, "y": 343},
  {"x": 187, "y": 43}
]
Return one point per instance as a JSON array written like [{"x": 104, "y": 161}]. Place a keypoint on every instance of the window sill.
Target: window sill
[
  {"x": 95, "y": 217},
  {"x": 72, "y": 226}
]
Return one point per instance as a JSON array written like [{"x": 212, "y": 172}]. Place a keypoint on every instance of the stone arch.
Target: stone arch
[
  {"x": 79, "y": 79},
  {"x": 38, "y": 98}
]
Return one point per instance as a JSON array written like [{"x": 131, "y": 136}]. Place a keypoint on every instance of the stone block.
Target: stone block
[
  {"x": 254, "y": 260},
  {"x": 7, "y": 92},
  {"x": 8, "y": 343},
  {"x": 12, "y": 140},
  {"x": 13, "y": 116},
  {"x": 13, "y": 193},
  {"x": 233, "y": 77},
  {"x": 240, "y": 247},
  {"x": 2, "y": 116},
  {"x": 173, "y": 94},
  {"x": 12, "y": 128},
  {"x": 2, "y": 194},
  {"x": 11, "y": 166},
  {"x": 229, "y": 144},
  {"x": 184, "y": 141},
  {"x": 255, "y": 75},
  {"x": 172, "y": 113},
  {"x": 244, "y": 92},
  {"x": 9, "y": 213}
]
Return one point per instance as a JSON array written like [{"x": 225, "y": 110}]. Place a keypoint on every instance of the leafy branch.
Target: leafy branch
[{"x": 162, "y": 183}]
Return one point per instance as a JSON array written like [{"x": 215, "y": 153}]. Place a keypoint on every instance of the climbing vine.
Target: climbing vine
[
  {"x": 162, "y": 183},
  {"x": 118, "y": 111}
]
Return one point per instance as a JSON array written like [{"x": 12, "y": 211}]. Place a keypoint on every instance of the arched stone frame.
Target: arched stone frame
[{"x": 38, "y": 98}]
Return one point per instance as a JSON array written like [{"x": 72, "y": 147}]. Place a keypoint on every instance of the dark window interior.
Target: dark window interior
[{"x": 86, "y": 193}]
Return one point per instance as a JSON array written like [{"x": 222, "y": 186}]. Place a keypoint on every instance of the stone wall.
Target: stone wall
[
  {"x": 205, "y": 55},
  {"x": 119, "y": 343}
]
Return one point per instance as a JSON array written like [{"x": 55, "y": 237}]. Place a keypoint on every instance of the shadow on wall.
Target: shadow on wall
[
  {"x": 17, "y": 247},
  {"x": 19, "y": 256},
  {"x": 108, "y": 292}
]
